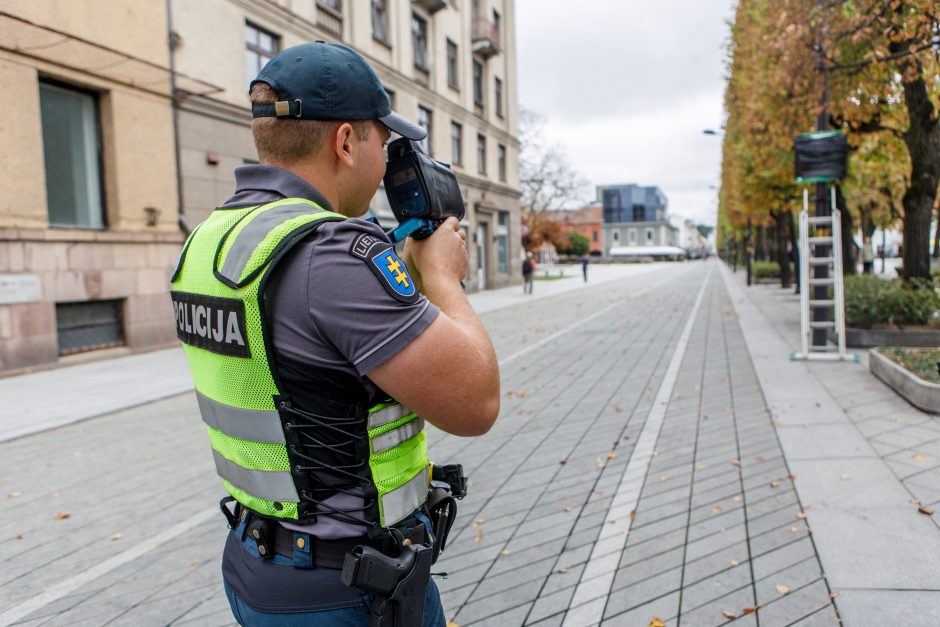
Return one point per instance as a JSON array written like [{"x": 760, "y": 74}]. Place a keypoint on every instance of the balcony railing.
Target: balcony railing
[
  {"x": 329, "y": 19},
  {"x": 486, "y": 39}
]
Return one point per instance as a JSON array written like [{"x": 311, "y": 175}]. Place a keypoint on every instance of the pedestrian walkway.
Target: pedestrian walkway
[
  {"x": 45, "y": 400},
  {"x": 658, "y": 459},
  {"x": 867, "y": 462}
]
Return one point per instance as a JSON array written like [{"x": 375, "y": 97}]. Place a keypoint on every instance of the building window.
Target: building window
[
  {"x": 631, "y": 236},
  {"x": 70, "y": 141},
  {"x": 90, "y": 325},
  {"x": 481, "y": 153},
  {"x": 333, "y": 5},
  {"x": 502, "y": 242},
  {"x": 456, "y": 143},
  {"x": 452, "y": 76},
  {"x": 424, "y": 121},
  {"x": 260, "y": 46},
  {"x": 497, "y": 21},
  {"x": 615, "y": 235},
  {"x": 498, "y": 95},
  {"x": 502, "y": 162},
  {"x": 594, "y": 234},
  {"x": 419, "y": 41},
  {"x": 477, "y": 83},
  {"x": 639, "y": 213},
  {"x": 649, "y": 235},
  {"x": 380, "y": 21}
]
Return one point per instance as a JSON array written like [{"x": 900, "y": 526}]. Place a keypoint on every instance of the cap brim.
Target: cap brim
[{"x": 403, "y": 126}]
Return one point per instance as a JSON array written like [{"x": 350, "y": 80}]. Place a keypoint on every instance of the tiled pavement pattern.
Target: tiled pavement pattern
[
  {"x": 716, "y": 493},
  {"x": 905, "y": 437},
  {"x": 77, "y": 496}
]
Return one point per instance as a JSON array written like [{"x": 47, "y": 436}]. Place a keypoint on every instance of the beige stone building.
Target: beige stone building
[
  {"x": 89, "y": 224},
  {"x": 128, "y": 118},
  {"x": 449, "y": 65}
]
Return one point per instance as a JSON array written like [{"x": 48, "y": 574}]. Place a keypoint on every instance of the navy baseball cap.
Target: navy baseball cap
[{"x": 323, "y": 81}]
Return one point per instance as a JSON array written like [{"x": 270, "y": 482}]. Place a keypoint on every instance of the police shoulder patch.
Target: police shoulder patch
[{"x": 386, "y": 265}]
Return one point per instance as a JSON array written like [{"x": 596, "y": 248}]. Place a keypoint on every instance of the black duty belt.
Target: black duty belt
[{"x": 271, "y": 537}]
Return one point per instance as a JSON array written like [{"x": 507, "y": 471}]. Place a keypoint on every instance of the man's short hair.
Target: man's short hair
[{"x": 288, "y": 140}]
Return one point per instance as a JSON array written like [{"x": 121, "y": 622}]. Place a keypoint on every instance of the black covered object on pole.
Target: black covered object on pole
[{"x": 820, "y": 157}]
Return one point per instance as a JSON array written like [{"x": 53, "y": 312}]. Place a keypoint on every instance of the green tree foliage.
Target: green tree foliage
[
  {"x": 879, "y": 62},
  {"x": 574, "y": 243}
]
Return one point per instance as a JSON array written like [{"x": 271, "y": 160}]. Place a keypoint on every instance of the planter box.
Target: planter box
[
  {"x": 919, "y": 393},
  {"x": 870, "y": 338}
]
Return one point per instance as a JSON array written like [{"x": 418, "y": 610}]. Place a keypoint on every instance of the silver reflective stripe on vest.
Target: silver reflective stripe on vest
[
  {"x": 257, "y": 425},
  {"x": 395, "y": 437},
  {"x": 263, "y": 484},
  {"x": 254, "y": 233},
  {"x": 387, "y": 415},
  {"x": 401, "y": 502}
]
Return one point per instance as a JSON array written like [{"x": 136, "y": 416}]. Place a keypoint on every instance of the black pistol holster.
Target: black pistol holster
[{"x": 396, "y": 585}]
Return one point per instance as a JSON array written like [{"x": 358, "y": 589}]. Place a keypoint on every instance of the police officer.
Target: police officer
[{"x": 318, "y": 353}]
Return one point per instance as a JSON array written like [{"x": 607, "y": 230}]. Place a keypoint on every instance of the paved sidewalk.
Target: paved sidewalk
[
  {"x": 865, "y": 461},
  {"x": 657, "y": 456},
  {"x": 45, "y": 400}
]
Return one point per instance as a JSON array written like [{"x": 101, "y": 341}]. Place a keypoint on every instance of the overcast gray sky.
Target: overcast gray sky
[{"x": 628, "y": 86}]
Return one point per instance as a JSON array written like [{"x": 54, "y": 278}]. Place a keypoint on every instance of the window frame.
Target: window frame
[
  {"x": 257, "y": 50},
  {"x": 99, "y": 153},
  {"x": 501, "y": 163},
  {"x": 453, "y": 64},
  {"x": 481, "y": 154},
  {"x": 479, "y": 96},
  {"x": 426, "y": 142},
  {"x": 421, "y": 64},
  {"x": 456, "y": 143},
  {"x": 382, "y": 38},
  {"x": 498, "y": 96}
]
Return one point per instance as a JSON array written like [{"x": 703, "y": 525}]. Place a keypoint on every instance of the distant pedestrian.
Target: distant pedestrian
[
  {"x": 528, "y": 268},
  {"x": 868, "y": 256},
  {"x": 585, "y": 260}
]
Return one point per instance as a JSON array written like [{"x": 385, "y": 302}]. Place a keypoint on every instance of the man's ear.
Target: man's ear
[{"x": 342, "y": 143}]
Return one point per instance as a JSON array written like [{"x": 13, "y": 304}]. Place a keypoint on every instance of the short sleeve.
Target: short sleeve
[{"x": 360, "y": 296}]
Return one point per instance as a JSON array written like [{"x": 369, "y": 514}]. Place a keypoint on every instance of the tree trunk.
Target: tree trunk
[
  {"x": 761, "y": 245},
  {"x": 849, "y": 250},
  {"x": 923, "y": 144},
  {"x": 780, "y": 229},
  {"x": 794, "y": 248},
  {"x": 936, "y": 237}
]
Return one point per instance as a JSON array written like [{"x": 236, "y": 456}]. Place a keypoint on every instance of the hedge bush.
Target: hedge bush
[
  {"x": 767, "y": 269},
  {"x": 870, "y": 300}
]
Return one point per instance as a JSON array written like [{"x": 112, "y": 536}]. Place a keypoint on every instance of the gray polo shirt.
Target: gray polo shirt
[
  {"x": 336, "y": 309},
  {"x": 332, "y": 305}
]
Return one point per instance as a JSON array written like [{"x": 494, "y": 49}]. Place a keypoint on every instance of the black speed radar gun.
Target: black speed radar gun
[{"x": 421, "y": 191}]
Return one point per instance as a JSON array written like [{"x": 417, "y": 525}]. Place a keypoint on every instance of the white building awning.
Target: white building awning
[{"x": 646, "y": 251}]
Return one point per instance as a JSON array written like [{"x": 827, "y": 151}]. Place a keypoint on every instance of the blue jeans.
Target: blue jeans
[
  {"x": 353, "y": 616},
  {"x": 357, "y": 616}
]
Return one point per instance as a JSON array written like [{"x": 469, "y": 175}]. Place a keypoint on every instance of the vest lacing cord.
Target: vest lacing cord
[{"x": 318, "y": 423}]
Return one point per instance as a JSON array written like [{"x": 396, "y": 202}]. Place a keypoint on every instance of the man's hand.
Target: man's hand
[
  {"x": 449, "y": 374},
  {"x": 439, "y": 260}
]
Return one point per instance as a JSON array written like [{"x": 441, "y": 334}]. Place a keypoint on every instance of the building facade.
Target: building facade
[
  {"x": 449, "y": 66},
  {"x": 588, "y": 221},
  {"x": 635, "y": 217},
  {"x": 88, "y": 216}
]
